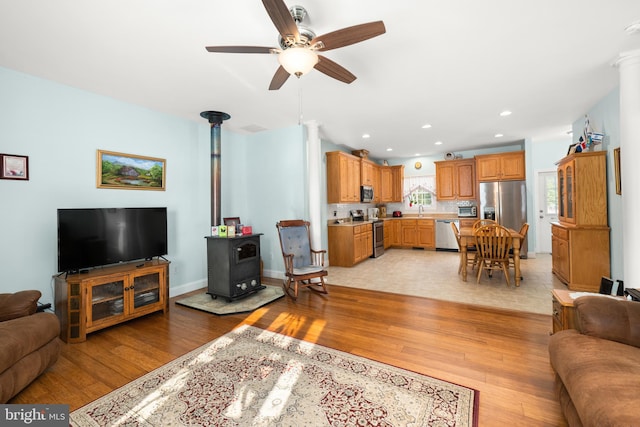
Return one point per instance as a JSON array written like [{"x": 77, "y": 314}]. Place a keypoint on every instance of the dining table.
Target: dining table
[{"x": 467, "y": 237}]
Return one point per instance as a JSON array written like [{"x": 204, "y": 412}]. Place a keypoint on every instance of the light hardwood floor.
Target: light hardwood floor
[{"x": 501, "y": 353}]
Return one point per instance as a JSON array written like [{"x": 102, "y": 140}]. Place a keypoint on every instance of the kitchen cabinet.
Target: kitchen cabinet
[
  {"x": 508, "y": 166},
  {"x": 370, "y": 175},
  {"x": 396, "y": 235},
  {"x": 343, "y": 177},
  {"x": 391, "y": 180},
  {"x": 456, "y": 180},
  {"x": 580, "y": 238},
  {"x": 418, "y": 233},
  {"x": 409, "y": 232},
  {"x": 107, "y": 296},
  {"x": 350, "y": 244},
  {"x": 387, "y": 231}
]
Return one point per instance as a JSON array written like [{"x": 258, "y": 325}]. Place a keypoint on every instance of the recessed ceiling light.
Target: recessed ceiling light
[
  {"x": 427, "y": 126},
  {"x": 498, "y": 135},
  {"x": 366, "y": 135},
  {"x": 389, "y": 149},
  {"x": 438, "y": 143},
  {"x": 417, "y": 154},
  {"x": 505, "y": 113}
]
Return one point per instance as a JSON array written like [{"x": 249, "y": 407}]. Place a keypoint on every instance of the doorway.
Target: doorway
[{"x": 547, "y": 203}]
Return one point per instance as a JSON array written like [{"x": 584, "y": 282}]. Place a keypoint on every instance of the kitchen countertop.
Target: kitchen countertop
[{"x": 348, "y": 223}]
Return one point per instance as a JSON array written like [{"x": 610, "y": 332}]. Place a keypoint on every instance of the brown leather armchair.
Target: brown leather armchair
[{"x": 29, "y": 341}]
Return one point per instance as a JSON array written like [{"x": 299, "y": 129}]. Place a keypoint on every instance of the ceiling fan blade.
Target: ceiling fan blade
[
  {"x": 240, "y": 49},
  {"x": 282, "y": 19},
  {"x": 279, "y": 78},
  {"x": 332, "y": 69},
  {"x": 350, "y": 35}
]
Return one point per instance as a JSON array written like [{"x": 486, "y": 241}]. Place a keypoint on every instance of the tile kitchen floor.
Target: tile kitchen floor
[{"x": 433, "y": 274}]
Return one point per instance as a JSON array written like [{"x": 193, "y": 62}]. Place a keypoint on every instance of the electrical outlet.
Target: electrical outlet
[{"x": 335, "y": 213}]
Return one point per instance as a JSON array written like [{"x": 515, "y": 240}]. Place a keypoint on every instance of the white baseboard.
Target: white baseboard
[{"x": 187, "y": 287}]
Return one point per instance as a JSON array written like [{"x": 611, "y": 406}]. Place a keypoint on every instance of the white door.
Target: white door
[{"x": 547, "y": 205}]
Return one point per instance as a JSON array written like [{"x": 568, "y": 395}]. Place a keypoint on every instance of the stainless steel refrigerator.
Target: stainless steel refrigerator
[{"x": 506, "y": 202}]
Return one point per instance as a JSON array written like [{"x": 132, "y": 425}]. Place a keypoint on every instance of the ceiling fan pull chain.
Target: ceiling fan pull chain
[{"x": 299, "y": 101}]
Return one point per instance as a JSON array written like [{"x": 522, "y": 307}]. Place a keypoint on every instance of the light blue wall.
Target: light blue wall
[
  {"x": 604, "y": 117},
  {"x": 60, "y": 128},
  {"x": 263, "y": 182}
]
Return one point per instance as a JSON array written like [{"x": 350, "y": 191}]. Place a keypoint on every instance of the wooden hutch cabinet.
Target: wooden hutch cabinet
[
  {"x": 456, "y": 179},
  {"x": 509, "y": 166},
  {"x": 107, "y": 296},
  {"x": 580, "y": 238}
]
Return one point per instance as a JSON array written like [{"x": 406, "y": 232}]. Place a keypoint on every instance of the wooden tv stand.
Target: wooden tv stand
[{"x": 106, "y": 296}]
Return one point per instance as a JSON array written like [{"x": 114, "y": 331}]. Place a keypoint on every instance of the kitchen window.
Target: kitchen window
[{"x": 420, "y": 190}]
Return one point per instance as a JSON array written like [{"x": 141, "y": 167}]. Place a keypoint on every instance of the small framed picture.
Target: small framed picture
[
  {"x": 14, "y": 167},
  {"x": 233, "y": 220}
]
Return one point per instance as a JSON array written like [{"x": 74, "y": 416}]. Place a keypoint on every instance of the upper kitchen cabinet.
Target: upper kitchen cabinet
[
  {"x": 346, "y": 173},
  {"x": 370, "y": 175},
  {"x": 501, "y": 167},
  {"x": 391, "y": 178},
  {"x": 455, "y": 180},
  {"x": 582, "y": 189},
  {"x": 343, "y": 178}
]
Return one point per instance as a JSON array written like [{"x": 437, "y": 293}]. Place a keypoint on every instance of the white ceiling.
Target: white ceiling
[{"x": 455, "y": 64}]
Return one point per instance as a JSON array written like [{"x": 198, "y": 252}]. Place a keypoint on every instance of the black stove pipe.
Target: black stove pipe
[{"x": 215, "y": 119}]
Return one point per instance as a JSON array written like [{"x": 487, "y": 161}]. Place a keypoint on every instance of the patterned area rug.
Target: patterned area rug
[
  {"x": 220, "y": 305},
  {"x": 253, "y": 377}
]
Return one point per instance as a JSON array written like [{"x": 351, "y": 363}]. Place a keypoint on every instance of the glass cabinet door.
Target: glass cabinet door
[
  {"x": 146, "y": 289},
  {"x": 107, "y": 300},
  {"x": 561, "y": 194},
  {"x": 569, "y": 178}
]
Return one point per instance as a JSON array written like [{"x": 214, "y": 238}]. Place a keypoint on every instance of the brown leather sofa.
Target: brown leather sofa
[
  {"x": 29, "y": 342},
  {"x": 598, "y": 366}
]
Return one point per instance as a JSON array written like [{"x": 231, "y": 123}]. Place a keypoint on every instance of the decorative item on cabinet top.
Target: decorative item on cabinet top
[{"x": 363, "y": 154}]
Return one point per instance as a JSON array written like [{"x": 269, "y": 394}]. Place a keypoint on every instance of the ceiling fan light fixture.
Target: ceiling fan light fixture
[{"x": 298, "y": 60}]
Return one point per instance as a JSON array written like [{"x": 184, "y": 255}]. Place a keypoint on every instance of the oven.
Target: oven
[{"x": 378, "y": 238}]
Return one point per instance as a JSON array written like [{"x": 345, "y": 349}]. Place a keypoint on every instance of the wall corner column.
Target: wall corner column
[
  {"x": 314, "y": 162},
  {"x": 628, "y": 64}
]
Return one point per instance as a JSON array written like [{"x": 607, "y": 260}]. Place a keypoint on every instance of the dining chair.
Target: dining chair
[
  {"x": 482, "y": 222},
  {"x": 523, "y": 232},
  {"x": 471, "y": 250},
  {"x": 493, "y": 243},
  {"x": 304, "y": 267}
]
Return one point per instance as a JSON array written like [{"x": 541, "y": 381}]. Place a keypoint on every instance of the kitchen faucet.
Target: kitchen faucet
[{"x": 420, "y": 208}]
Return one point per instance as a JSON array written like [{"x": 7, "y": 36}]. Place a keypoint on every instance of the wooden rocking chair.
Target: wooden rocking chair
[{"x": 304, "y": 267}]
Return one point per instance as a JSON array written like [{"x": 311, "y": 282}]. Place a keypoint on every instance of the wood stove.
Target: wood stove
[{"x": 233, "y": 266}]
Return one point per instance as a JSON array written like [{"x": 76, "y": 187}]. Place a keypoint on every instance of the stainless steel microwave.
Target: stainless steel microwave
[
  {"x": 467, "y": 211},
  {"x": 366, "y": 194}
]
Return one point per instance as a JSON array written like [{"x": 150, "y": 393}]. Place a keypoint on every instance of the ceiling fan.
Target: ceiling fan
[{"x": 299, "y": 45}]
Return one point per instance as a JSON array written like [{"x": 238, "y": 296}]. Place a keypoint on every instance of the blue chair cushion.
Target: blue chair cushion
[{"x": 295, "y": 240}]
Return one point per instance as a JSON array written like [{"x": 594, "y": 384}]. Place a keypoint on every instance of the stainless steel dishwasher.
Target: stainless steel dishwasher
[{"x": 445, "y": 239}]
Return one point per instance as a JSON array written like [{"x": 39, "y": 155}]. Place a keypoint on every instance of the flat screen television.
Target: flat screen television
[{"x": 103, "y": 236}]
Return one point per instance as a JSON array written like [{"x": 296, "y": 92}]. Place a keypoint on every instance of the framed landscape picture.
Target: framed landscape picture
[
  {"x": 130, "y": 171},
  {"x": 14, "y": 167}
]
